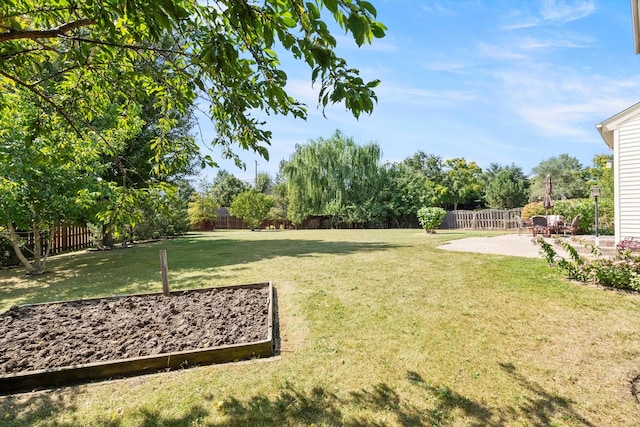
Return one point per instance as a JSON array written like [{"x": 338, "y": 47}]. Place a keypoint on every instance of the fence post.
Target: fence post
[{"x": 165, "y": 272}]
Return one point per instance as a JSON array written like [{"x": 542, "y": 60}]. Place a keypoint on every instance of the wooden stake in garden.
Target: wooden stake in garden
[{"x": 165, "y": 272}]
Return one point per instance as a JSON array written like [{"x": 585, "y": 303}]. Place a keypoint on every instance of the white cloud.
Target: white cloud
[
  {"x": 501, "y": 52},
  {"x": 412, "y": 95},
  {"x": 560, "y": 11},
  {"x": 439, "y": 8},
  {"x": 563, "y": 103}
]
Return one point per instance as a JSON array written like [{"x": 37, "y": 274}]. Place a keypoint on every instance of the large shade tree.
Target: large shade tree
[
  {"x": 568, "y": 176},
  {"x": 90, "y": 65},
  {"x": 429, "y": 173},
  {"x": 75, "y": 56},
  {"x": 226, "y": 187}
]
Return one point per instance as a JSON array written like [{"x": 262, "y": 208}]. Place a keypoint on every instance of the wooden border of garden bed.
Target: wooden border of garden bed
[{"x": 56, "y": 377}]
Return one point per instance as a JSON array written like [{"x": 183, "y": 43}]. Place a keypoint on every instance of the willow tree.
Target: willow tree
[
  {"x": 334, "y": 177},
  {"x": 76, "y": 55}
]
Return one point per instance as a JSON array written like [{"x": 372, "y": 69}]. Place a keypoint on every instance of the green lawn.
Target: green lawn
[{"x": 378, "y": 328}]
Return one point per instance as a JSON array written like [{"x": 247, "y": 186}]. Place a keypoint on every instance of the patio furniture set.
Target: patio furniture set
[{"x": 547, "y": 224}]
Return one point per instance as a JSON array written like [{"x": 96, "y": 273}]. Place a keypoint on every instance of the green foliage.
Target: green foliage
[
  {"x": 586, "y": 209},
  {"x": 335, "y": 177},
  {"x": 532, "y": 209},
  {"x": 422, "y": 177},
  {"x": 43, "y": 168},
  {"x": 506, "y": 187},
  {"x": 462, "y": 181},
  {"x": 202, "y": 207},
  {"x": 163, "y": 215},
  {"x": 430, "y": 218},
  {"x": 602, "y": 175},
  {"x": 569, "y": 178},
  {"x": 75, "y": 57},
  {"x": 264, "y": 183},
  {"x": 225, "y": 188},
  {"x": 621, "y": 271},
  {"x": 252, "y": 207}
]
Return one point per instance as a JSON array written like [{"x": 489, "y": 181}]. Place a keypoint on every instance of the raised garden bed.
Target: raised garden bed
[{"x": 56, "y": 344}]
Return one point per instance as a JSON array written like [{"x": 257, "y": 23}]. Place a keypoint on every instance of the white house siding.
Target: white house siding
[{"x": 628, "y": 174}]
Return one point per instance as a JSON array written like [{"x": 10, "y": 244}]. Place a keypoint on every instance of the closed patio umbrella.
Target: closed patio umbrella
[{"x": 548, "y": 202}]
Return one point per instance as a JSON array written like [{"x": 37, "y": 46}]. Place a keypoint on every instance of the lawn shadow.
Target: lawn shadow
[
  {"x": 26, "y": 409},
  {"x": 542, "y": 406},
  {"x": 29, "y": 409},
  {"x": 137, "y": 269},
  {"x": 448, "y": 403},
  {"x": 376, "y": 406}
]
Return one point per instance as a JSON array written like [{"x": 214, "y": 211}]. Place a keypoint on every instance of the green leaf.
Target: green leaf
[
  {"x": 378, "y": 30},
  {"x": 368, "y": 7},
  {"x": 313, "y": 11},
  {"x": 332, "y": 5},
  {"x": 289, "y": 21}
]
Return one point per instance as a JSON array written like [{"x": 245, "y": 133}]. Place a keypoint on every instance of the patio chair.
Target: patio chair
[
  {"x": 539, "y": 225},
  {"x": 571, "y": 228},
  {"x": 555, "y": 223}
]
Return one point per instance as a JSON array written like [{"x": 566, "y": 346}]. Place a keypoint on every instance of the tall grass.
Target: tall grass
[{"x": 377, "y": 327}]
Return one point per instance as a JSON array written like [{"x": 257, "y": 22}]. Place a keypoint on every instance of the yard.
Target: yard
[{"x": 377, "y": 327}]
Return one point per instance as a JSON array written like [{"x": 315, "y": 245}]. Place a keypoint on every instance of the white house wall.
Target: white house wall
[{"x": 627, "y": 163}]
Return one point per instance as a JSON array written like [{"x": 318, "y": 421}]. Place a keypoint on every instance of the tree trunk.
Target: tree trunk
[
  {"x": 38, "y": 267},
  {"x": 107, "y": 236},
  {"x": 15, "y": 242}
]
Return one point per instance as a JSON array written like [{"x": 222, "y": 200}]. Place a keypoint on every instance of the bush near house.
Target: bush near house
[{"x": 621, "y": 271}]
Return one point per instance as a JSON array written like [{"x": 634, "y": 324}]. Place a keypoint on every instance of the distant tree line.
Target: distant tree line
[{"x": 350, "y": 185}]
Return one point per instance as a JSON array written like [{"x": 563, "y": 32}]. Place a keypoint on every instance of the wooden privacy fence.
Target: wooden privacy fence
[
  {"x": 490, "y": 219},
  {"x": 65, "y": 239}
]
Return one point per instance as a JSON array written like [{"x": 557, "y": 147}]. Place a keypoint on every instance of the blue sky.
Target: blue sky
[{"x": 490, "y": 81}]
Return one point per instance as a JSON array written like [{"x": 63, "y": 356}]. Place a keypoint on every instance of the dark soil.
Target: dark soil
[{"x": 80, "y": 332}]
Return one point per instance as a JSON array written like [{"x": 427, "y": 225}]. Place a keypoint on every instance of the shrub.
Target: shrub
[
  {"x": 532, "y": 209},
  {"x": 621, "y": 271},
  {"x": 431, "y": 218}
]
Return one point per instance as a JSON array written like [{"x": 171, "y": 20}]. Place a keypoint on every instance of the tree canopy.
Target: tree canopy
[
  {"x": 252, "y": 207},
  {"x": 506, "y": 187},
  {"x": 462, "y": 181},
  {"x": 42, "y": 170},
  {"x": 75, "y": 56},
  {"x": 568, "y": 176},
  {"x": 225, "y": 188},
  {"x": 334, "y": 177}
]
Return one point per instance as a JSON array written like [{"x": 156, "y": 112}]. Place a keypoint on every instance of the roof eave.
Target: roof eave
[{"x": 606, "y": 135}]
